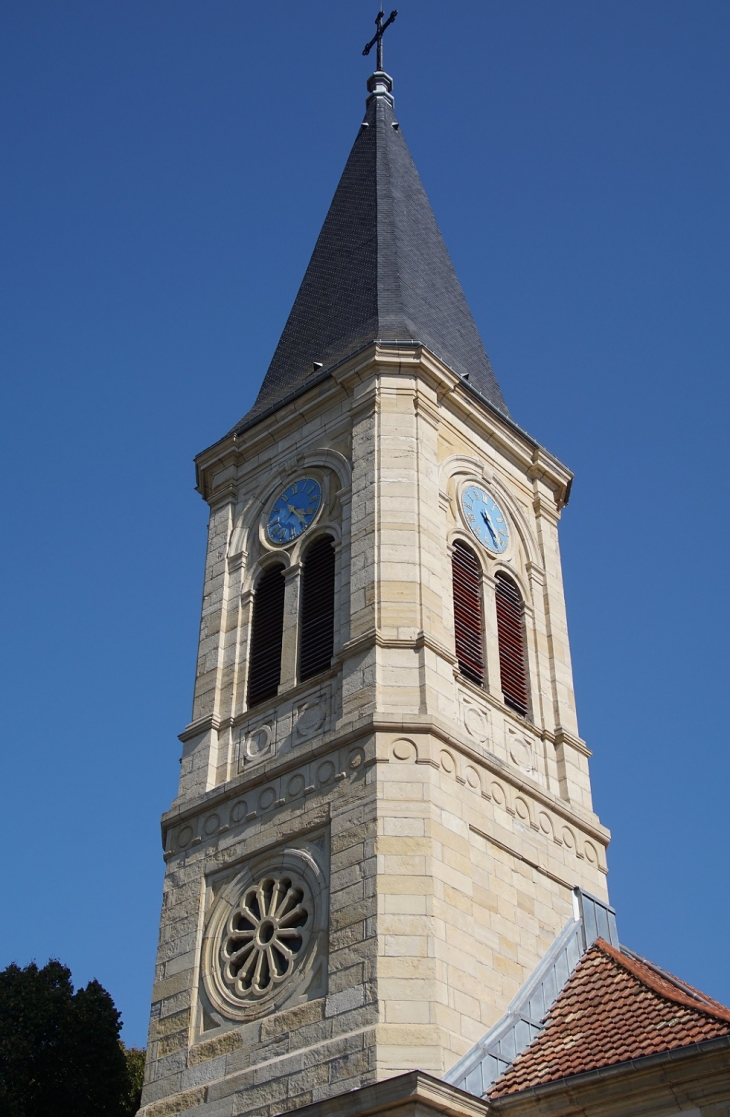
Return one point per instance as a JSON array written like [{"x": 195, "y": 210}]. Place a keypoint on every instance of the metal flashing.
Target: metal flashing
[{"x": 497, "y": 1050}]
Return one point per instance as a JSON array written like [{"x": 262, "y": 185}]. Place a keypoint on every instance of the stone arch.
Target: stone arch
[
  {"x": 405, "y": 750},
  {"x": 458, "y": 468},
  {"x": 264, "y": 563},
  {"x": 329, "y": 463}
]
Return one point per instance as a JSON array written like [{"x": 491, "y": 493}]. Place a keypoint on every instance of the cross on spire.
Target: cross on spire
[{"x": 378, "y": 36}]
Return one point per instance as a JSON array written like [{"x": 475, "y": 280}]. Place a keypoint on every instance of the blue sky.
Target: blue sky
[{"x": 166, "y": 168}]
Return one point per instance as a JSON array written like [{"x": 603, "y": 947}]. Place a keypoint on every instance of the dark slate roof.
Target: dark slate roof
[{"x": 380, "y": 271}]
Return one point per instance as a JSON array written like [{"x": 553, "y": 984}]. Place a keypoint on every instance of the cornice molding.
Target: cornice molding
[
  {"x": 562, "y": 737},
  {"x": 415, "y": 1092},
  {"x": 452, "y": 392},
  {"x": 204, "y": 725},
  {"x": 374, "y": 638},
  {"x": 366, "y": 726}
]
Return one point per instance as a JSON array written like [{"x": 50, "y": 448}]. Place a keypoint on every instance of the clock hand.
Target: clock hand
[
  {"x": 297, "y": 513},
  {"x": 488, "y": 521}
]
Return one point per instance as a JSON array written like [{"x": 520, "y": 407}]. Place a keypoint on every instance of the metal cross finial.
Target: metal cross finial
[{"x": 378, "y": 36}]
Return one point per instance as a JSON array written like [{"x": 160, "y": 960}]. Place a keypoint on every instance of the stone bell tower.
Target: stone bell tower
[{"x": 384, "y": 802}]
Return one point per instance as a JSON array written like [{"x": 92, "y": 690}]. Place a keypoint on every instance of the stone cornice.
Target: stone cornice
[
  {"x": 383, "y": 723},
  {"x": 453, "y": 393},
  {"x": 233, "y": 449},
  {"x": 374, "y": 638},
  {"x": 562, "y": 737},
  {"x": 559, "y": 737},
  {"x": 203, "y": 725},
  {"x": 214, "y": 721},
  {"x": 415, "y": 1092},
  {"x": 443, "y": 731}
]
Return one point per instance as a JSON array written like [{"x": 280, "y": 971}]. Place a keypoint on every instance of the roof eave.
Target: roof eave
[
  {"x": 338, "y": 372},
  {"x": 616, "y": 1072}
]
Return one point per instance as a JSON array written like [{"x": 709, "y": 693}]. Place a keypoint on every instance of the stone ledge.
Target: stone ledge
[
  {"x": 177, "y": 1103},
  {"x": 412, "y": 1093},
  {"x": 343, "y": 735}
]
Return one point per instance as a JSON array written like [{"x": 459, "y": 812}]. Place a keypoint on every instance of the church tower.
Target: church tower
[{"x": 384, "y": 802}]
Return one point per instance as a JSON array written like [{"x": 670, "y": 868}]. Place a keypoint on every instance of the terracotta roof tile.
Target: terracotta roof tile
[{"x": 615, "y": 1007}]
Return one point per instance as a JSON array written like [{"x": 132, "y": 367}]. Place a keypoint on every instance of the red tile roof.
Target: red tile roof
[{"x": 613, "y": 1008}]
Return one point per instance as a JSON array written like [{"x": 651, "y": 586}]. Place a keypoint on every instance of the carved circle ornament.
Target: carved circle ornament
[{"x": 262, "y": 934}]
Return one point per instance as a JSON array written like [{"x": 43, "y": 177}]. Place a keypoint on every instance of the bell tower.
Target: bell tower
[{"x": 384, "y": 801}]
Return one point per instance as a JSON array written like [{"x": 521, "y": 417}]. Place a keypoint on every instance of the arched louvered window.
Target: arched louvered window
[
  {"x": 267, "y": 624},
  {"x": 317, "y": 627},
  {"x": 512, "y": 649},
  {"x": 467, "y": 578}
]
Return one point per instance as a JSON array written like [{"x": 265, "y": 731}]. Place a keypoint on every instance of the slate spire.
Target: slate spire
[{"x": 380, "y": 271}]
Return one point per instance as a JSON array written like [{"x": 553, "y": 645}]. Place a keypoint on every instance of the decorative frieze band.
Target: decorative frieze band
[
  {"x": 237, "y": 809},
  {"x": 524, "y": 809}
]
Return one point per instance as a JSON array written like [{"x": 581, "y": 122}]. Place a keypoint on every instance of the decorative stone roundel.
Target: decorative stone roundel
[
  {"x": 264, "y": 931},
  {"x": 264, "y": 935}
]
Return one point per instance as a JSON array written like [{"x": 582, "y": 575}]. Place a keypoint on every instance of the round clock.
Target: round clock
[
  {"x": 294, "y": 510},
  {"x": 485, "y": 518}
]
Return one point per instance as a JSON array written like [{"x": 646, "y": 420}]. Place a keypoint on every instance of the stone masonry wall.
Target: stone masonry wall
[{"x": 443, "y": 832}]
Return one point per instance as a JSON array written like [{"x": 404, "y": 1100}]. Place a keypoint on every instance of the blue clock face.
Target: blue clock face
[
  {"x": 485, "y": 518},
  {"x": 294, "y": 510}
]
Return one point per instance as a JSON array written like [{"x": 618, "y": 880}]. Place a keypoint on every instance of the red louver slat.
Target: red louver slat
[
  {"x": 316, "y": 640},
  {"x": 267, "y": 624},
  {"x": 468, "y": 627},
  {"x": 512, "y": 650}
]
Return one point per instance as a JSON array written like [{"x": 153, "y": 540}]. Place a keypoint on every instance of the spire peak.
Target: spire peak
[
  {"x": 380, "y": 84},
  {"x": 377, "y": 39},
  {"x": 380, "y": 271}
]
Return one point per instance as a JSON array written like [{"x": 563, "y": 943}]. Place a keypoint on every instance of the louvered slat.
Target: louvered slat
[
  {"x": 467, "y": 581},
  {"x": 317, "y": 630},
  {"x": 512, "y": 651},
  {"x": 264, "y": 671}
]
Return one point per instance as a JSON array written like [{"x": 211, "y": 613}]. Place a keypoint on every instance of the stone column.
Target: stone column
[{"x": 290, "y": 640}]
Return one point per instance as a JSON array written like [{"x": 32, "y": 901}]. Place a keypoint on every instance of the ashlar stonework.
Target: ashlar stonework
[
  {"x": 446, "y": 831},
  {"x": 363, "y": 867}
]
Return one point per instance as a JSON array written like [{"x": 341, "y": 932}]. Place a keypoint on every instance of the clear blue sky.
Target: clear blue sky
[{"x": 166, "y": 167}]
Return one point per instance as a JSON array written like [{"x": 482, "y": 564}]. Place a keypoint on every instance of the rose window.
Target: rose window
[{"x": 263, "y": 936}]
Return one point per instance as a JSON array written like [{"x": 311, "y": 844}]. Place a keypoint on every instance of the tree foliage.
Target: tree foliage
[
  {"x": 135, "y": 1057},
  {"x": 60, "y": 1053}
]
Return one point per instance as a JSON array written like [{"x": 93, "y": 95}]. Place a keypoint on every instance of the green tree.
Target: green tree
[
  {"x": 60, "y": 1054},
  {"x": 135, "y": 1057}
]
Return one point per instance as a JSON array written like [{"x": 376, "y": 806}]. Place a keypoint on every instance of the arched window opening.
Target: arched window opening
[
  {"x": 512, "y": 649},
  {"x": 317, "y": 628},
  {"x": 468, "y": 626},
  {"x": 267, "y": 624}
]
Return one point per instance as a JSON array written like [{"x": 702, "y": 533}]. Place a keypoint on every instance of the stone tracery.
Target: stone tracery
[{"x": 264, "y": 935}]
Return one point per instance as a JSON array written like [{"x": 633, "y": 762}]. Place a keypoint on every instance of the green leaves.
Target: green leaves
[{"x": 60, "y": 1053}]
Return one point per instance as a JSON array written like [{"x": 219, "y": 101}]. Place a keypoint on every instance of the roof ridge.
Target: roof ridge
[
  {"x": 661, "y": 983},
  {"x": 390, "y": 283},
  {"x": 683, "y": 985}
]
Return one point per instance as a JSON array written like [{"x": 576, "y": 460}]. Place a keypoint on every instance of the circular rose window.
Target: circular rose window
[
  {"x": 263, "y": 933},
  {"x": 264, "y": 936}
]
